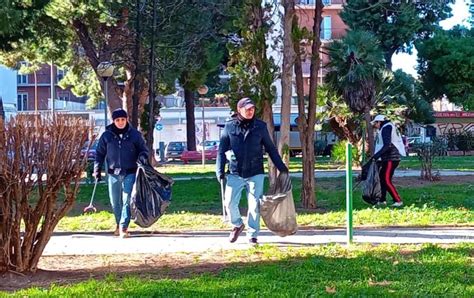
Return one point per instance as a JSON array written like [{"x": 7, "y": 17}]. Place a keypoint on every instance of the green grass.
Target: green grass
[
  {"x": 460, "y": 163},
  {"x": 196, "y": 204},
  {"x": 360, "y": 270}
]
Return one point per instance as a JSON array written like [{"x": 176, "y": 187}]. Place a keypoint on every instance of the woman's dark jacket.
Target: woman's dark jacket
[
  {"x": 120, "y": 152},
  {"x": 247, "y": 141},
  {"x": 388, "y": 151}
]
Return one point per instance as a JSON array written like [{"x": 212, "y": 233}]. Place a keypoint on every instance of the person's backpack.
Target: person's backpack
[
  {"x": 371, "y": 192},
  {"x": 151, "y": 195},
  {"x": 277, "y": 208}
]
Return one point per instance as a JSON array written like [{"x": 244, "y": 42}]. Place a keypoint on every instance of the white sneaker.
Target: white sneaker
[
  {"x": 397, "y": 204},
  {"x": 124, "y": 233},
  {"x": 382, "y": 204}
]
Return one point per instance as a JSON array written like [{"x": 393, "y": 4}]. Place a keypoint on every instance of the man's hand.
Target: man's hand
[
  {"x": 221, "y": 177},
  {"x": 143, "y": 159},
  {"x": 97, "y": 176},
  {"x": 285, "y": 170}
]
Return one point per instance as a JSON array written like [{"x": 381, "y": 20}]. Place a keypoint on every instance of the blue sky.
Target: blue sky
[{"x": 407, "y": 62}]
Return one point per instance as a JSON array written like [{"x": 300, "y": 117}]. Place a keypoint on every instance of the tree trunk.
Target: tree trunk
[
  {"x": 151, "y": 100},
  {"x": 286, "y": 80},
  {"x": 370, "y": 132},
  {"x": 306, "y": 121},
  {"x": 137, "y": 62},
  {"x": 267, "y": 116},
  {"x": 190, "y": 121}
]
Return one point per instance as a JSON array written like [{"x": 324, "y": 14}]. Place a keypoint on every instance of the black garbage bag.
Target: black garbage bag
[
  {"x": 371, "y": 192},
  {"x": 277, "y": 208},
  {"x": 151, "y": 195}
]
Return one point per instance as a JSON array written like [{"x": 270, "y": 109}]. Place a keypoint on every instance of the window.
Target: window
[
  {"x": 60, "y": 73},
  {"x": 22, "y": 79},
  {"x": 22, "y": 101},
  {"x": 307, "y": 2},
  {"x": 63, "y": 96},
  {"x": 326, "y": 28},
  {"x": 327, "y": 2}
]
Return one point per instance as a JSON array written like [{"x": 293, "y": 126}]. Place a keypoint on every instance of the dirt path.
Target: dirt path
[{"x": 63, "y": 270}]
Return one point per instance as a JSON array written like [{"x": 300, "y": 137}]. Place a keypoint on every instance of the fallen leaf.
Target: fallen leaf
[
  {"x": 330, "y": 290},
  {"x": 380, "y": 283}
]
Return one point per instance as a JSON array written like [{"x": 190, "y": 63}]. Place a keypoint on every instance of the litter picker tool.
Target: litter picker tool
[
  {"x": 90, "y": 207},
  {"x": 222, "y": 183}
]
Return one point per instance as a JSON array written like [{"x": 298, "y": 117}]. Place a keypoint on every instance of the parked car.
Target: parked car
[
  {"x": 188, "y": 156},
  {"x": 208, "y": 146},
  {"x": 89, "y": 151},
  {"x": 174, "y": 150}
]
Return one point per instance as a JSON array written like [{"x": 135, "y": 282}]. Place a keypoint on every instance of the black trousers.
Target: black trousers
[{"x": 387, "y": 168}]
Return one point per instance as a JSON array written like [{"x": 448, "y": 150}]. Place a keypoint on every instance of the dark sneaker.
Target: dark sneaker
[
  {"x": 253, "y": 241},
  {"x": 235, "y": 233}
]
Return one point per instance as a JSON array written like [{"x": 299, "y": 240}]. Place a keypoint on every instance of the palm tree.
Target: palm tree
[{"x": 355, "y": 69}]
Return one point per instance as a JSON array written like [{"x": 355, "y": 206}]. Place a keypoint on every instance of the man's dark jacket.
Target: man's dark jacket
[
  {"x": 120, "y": 152},
  {"x": 247, "y": 141}
]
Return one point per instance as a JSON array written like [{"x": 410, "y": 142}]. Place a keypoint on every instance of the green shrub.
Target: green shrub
[
  {"x": 338, "y": 153},
  {"x": 463, "y": 141}
]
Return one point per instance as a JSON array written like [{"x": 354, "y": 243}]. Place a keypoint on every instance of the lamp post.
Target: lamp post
[
  {"x": 202, "y": 90},
  {"x": 105, "y": 70}
]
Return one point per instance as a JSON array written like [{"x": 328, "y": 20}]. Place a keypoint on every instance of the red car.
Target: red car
[{"x": 188, "y": 156}]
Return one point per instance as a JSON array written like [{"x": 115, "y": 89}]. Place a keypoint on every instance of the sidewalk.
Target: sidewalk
[
  {"x": 342, "y": 173},
  {"x": 200, "y": 241}
]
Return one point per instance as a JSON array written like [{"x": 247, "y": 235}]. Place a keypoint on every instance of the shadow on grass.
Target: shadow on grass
[{"x": 324, "y": 270}]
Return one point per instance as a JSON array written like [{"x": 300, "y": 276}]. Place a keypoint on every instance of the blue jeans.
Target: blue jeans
[
  {"x": 233, "y": 191},
  {"x": 120, "y": 191}
]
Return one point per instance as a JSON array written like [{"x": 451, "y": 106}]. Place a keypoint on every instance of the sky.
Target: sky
[{"x": 407, "y": 62}]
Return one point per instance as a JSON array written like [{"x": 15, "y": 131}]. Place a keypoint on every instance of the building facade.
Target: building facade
[{"x": 34, "y": 91}]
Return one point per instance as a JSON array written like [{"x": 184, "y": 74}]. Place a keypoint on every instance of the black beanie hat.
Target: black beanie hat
[{"x": 119, "y": 113}]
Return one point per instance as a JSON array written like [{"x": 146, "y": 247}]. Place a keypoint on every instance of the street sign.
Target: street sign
[{"x": 159, "y": 126}]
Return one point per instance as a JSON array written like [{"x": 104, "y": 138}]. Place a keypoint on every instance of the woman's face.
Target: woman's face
[
  {"x": 247, "y": 113},
  {"x": 120, "y": 122}
]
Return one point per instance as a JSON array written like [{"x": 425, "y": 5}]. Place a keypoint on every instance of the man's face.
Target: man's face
[
  {"x": 247, "y": 112},
  {"x": 377, "y": 124},
  {"x": 120, "y": 122}
]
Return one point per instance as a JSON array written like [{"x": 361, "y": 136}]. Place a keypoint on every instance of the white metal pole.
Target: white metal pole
[
  {"x": 52, "y": 86},
  {"x": 203, "y": 134},
  {"x": 106, "y": 95}
]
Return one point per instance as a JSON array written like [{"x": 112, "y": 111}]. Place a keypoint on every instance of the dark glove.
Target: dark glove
[
  {"x": 97, "y": 176},
  {"x": 143, "y": 159},
  {"x": 221, "y": 177}
]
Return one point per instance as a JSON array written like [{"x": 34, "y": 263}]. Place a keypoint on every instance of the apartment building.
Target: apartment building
[
  {"x": 332, "y": 27},
  {"x": 34, "y": 91}
]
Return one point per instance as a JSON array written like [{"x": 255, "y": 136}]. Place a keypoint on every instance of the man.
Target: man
[
  {"x": 121, "y": 146},
  {"x": 241, "y": 145},
  {"x": 388, "y": 147}
]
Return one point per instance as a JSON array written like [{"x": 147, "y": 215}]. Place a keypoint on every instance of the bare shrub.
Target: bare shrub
[{"x": 40, "y": 171}]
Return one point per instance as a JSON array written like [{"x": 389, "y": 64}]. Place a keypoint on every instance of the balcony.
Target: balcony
[{"x": 325, "y": 2}]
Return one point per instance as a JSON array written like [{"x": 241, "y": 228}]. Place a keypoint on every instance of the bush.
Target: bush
[
  {"x": 41, "y": 163},
  {"x": 319, "y": 146},
  {"x": 338, "y": 153},
  {"x": 427, "y": 152},
  {"x": 463, "y": 141}
]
